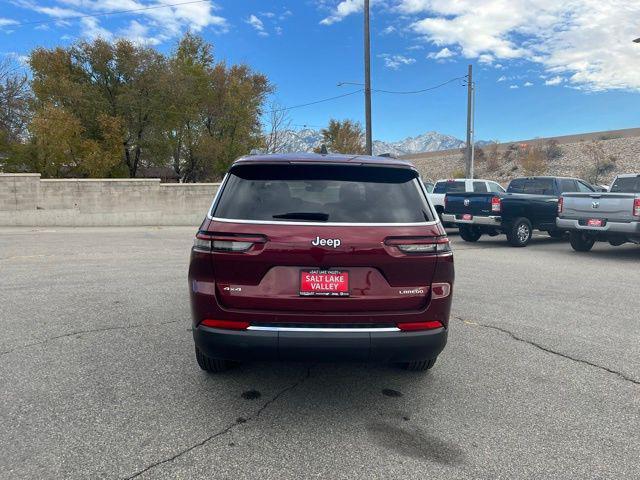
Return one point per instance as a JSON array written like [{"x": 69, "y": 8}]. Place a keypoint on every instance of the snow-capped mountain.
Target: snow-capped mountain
[
  {"x": 427, "y": 142},
  {"x": 308, "y": 139}
]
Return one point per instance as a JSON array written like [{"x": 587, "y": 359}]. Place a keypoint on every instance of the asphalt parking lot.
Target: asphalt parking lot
[{"x": 540, "y": 379}]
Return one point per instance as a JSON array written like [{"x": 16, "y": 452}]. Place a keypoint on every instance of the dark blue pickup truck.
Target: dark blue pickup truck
[{"x": 530, "y": 203}]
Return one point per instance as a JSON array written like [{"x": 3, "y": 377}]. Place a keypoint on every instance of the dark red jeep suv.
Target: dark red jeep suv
[{"x": 320, "y": 257}]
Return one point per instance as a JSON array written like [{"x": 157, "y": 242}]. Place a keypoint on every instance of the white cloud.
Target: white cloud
[
  {"x": 503, "y": 78},
  {"x": 527, "y": 84},
  {"x": 587, "y": 41},
  {"x": 554, "y": 81},
  {"x": 257, "y": 24},
  {"x": 394, "y": 62},
  {"x": 342, "y": 10},
  {"x": 441, "y": 54},
  {"x": 514, "y": 87},
  {"x": 91, "y": 29},
  {"x": 486, "y": 59},
  {"x": 388, "y": 30},
  {"x": 158, "y": 24},
  {"x": 6, "y": 22}
]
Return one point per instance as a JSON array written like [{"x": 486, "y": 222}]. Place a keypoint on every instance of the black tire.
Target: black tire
[
  {"x": 581, "y": 242},
  {"x": 213, "y": 365},
  {"x": 557, "y": 234},
  {"x": 469, "y": 234},
  {"x": 419, "y": 365},
  {"x": 520, "y": 232}
]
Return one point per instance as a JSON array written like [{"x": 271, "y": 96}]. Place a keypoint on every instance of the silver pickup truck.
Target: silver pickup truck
[{"x": 612, "y": 217}]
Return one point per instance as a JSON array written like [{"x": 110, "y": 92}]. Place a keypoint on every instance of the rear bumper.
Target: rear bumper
[
  {"x": 375, "y": 345},
  {"x": 630, "y": 228},
  {"x": 490, "y": 220}
]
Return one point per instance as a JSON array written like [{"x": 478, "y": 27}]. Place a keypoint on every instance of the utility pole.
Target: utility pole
[
  {"x": 469, "y": 150},
  {"x": 367, "y": 79}
]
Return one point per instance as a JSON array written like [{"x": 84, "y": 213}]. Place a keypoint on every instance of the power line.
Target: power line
[
  {"x": 407, "y": 92},
  {"x": 411, "y": 92},
  {"x": 284, "y": 109},
  {"x": 103, "y": 14}
]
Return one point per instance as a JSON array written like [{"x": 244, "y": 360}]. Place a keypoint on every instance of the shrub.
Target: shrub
[
  {"x": 552, "y": 150},
  {"x": 493, "y": 159},
  {"x": 598, "y": 164},
  {"x": 458, "y": 173},
  {"x": 534, "y": 161}
]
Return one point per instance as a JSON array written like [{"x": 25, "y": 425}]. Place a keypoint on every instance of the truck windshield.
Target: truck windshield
[
  {"x": 533, "y": 186},
  {"x": 323, "y": 193},
  {"x": 626, "y": 185}
]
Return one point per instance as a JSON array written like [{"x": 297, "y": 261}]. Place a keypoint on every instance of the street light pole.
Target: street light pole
[
  {"x": 469, "y": 151},
  {"x": 367, "y": 79}
]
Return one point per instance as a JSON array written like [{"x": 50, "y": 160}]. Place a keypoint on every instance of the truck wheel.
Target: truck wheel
[
  {"x": 213, "y": 365},
  {"x": 469, "y": 234},
  {"x": 519, "y": 233},
  {"x": 557, "y": 234},
  {"x": 581, "y": 242},
  {"x": 419, "y": 365}
]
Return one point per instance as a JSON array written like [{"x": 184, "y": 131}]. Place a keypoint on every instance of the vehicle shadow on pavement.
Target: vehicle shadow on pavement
[{"x": 381, "y": 403}]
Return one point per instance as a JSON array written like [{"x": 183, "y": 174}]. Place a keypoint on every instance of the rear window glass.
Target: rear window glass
[
  {"x": 480, "y": 187},
  {"x": 534, "y": 186},
  {"x": 449, "y": 187},
  {"x": 323, "y": 193},
  {"x": 568, "y": 185},
  {"x": 626, "y": 185}
]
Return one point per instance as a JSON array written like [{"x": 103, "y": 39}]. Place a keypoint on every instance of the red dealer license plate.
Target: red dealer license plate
[
  {"x": 594, "y": 222},
  {"x": 328, "y": 283}
]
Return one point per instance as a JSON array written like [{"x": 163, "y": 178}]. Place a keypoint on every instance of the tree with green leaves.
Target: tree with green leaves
[
  {"x": 15, "y": 110},
  {"x": 344, "y": 136},
  {"x": 183, "y": 110}
]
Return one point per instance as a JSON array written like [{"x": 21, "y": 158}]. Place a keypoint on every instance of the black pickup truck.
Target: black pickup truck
[{"x": 530, "y": 203}]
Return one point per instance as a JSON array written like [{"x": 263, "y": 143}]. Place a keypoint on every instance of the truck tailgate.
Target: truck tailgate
[
  {"x": 615, "y": 207},
  {"x": 477, "y": 204}
]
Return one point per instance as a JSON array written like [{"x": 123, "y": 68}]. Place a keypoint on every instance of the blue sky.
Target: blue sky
[{"x": 542, "y": 68}]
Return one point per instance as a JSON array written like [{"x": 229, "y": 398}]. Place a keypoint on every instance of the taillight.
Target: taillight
[
  {"x": 230, "y": 246},
  {"x": 496, "y": 205},
  {"x": 636, "y": 207},
  {"x": 418, "y": 245},
  {"x": 202, "y": 243},
  {"x": 225, "y": 324},
  {"x": 440, "y": 290},
  {"x": 232, "y": 243},
  {"x": 560, "y": 204},
  {"x": 413, "y": 326}
]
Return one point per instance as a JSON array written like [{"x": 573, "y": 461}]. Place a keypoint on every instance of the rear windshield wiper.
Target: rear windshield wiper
[{"x": 312, "y": 216}]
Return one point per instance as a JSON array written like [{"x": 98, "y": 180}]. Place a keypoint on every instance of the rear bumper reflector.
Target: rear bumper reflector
[
  {"x": 225, "y": 324},
  {"x": 413, "y": 326}
]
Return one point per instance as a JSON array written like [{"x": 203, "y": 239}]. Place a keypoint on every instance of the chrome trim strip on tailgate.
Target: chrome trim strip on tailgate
[{"x": 323, "y": 330}]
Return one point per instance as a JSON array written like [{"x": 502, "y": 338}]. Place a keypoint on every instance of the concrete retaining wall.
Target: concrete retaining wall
[{"x": 28, "y": 200}]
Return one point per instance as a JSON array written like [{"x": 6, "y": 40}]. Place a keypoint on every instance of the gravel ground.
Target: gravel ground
[{"x": 540, "y": 379}]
